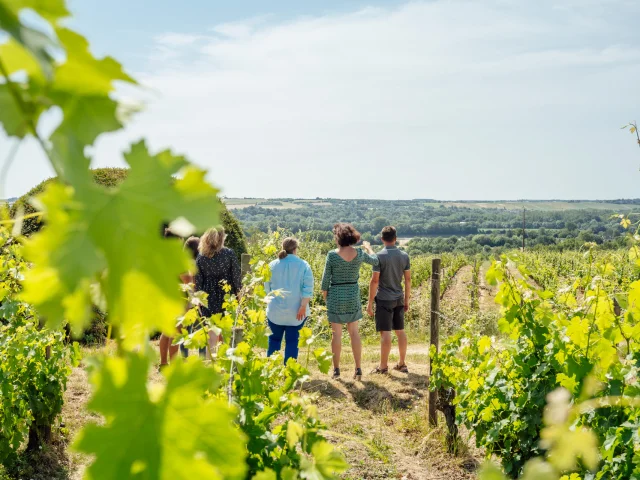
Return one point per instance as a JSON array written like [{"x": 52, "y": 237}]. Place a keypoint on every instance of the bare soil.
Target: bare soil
[{"x": 488, "y": 292}]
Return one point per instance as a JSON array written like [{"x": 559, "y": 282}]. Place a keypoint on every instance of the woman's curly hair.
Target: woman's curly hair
[{"x": 345, "y": 234}]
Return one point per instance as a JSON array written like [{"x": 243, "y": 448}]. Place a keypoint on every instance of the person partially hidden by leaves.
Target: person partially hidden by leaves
[
  {"x": 167, "y": 350},
  {"x": 217, "y": 267}
]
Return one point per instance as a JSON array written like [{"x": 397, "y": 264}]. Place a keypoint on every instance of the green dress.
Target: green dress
[{"x": 340, "y": 280}]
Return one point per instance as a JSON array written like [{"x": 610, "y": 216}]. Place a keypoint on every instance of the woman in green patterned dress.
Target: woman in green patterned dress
[{"x": 342, "y": 293}]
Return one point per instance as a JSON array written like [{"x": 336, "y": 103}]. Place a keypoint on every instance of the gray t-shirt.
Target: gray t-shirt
[{"x": 393, "y": 264}]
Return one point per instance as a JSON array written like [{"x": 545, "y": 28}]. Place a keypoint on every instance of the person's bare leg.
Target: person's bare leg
[
  {"x": 336, "y": 343},
  {"x": 402, "y": 345},
  {"x": 356, "y": 345},
  {"x": 385, "y": 349},
  {"x": 173, "y": 350},
  {"x": 164, "y": 349},
  {"x": 212, "y": 342}
]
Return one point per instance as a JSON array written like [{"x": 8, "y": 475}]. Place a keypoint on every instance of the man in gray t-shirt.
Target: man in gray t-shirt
[{"x": 385, "y": 290}]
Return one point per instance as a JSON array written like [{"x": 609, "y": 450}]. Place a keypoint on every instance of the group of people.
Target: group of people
[{"x": 291, "y": 287}]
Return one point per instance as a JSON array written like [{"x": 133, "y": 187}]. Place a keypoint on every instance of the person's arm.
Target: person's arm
[
  {"x": 407, "y": 284},
  {"x": 373, "y": 290},
  {"x": 370, "y": 256},
  {"x": 302, "y": 311},
  {"x": 326, "y": 279},
  {"x": 307, "y": 292},
  {"x": 367, "y": 247}
]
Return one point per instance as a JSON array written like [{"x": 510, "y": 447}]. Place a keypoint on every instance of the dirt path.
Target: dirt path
[
  {"x": 381, "y": 426},
  {"x": 487, "y": 292},
  {"x": 459, "y": 292}
]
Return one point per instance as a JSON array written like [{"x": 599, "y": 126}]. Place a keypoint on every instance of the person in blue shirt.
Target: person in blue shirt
[{"x": 291, "y": 286}]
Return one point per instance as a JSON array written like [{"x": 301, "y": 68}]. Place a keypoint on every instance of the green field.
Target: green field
[{"x": 537, "y": 205}]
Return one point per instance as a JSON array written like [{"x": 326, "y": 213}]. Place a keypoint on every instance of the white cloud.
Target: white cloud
[
  {"x": 445, "y": 99},
  {"x": 177, "y": 39}
]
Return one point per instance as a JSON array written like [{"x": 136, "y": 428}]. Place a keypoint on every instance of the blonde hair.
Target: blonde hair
[
  {"x": 289, "y": 245},
  {"x": 211, "y": 242}
]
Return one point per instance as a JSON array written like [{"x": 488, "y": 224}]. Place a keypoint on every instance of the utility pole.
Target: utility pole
[{"x": 524, "y": 225}]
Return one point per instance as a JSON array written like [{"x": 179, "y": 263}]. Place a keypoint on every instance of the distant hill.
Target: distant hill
[{"x": 540, "y": 205}]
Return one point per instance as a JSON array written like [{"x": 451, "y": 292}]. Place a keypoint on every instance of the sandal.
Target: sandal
[
  {"x": 358, "y": 375},
  {"x": 401, "y": 368},
  {"x": 380, "y": 371},
  {"x": 336, "y": 373}
]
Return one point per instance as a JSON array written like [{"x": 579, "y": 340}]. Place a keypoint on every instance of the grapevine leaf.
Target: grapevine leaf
[
  {"x": 306, "y": 337},
  {"x": 16, "y": 115},
  {"x": 493, "y": 275},
  {"x": 326, "y": 462},
  {"x": 10, "y": 115},
  {"x": 288, "y": 473},
  {"x": 538, "y": 469},
  {"x": 51, "y": 10},
  {"x": 81, "y": 89},
  {"x": 567, "y": 382},
  {"x": 265, "y": 475},
  {"x": 16, "y": 58},
  {"x": 484, "y": 344},
  {"x": 37, "y": 42},
  {"x": 161, "y": 433},
  {"x": 294, "y": 432},
  {"x": 57, "y": 277},
  {"x": 324, "y": 359},
  {"x": 491, "y": 472},
  {"x": 118, "y": 230},
  {"x": 82, "y": 74}
]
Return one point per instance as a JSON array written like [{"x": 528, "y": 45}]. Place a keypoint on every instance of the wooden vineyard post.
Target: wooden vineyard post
[{"x": 435, "y": 333}]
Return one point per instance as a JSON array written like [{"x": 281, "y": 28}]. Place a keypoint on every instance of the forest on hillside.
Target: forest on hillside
[{"x": 446, "y": 227}]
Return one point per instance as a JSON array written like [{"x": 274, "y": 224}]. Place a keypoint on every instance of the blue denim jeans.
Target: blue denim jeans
[
  {"x": 291, "y": 334},
  {"x": 185, "y": 352}
]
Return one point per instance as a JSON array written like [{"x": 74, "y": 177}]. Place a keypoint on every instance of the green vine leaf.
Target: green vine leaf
[
  {"x": 114, "y": 237},
  {"x": 326, "y": 463},
  {"x": 51, "y": 10},
  {"x": 16, "y": 117},
  {"x": 160, "y": 433},
  {"x": 10, "y": 115},
  {"x": 82, "y": 89},
  {"x": 83, "y": 74},
  {"x": 35, "y": 41}
]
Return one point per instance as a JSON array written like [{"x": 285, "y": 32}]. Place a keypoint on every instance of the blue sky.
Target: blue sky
[{"x": 447, "y": 99}]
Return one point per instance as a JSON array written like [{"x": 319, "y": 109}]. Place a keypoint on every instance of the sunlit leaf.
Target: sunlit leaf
[
  {"x": 119, "y": 229},
  {"x": 171, "y": 433}
]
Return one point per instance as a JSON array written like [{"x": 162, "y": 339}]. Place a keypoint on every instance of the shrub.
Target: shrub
[{"x": 112, "y": 177}]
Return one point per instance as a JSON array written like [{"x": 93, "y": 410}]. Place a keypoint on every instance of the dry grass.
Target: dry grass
[
  {"x": 381, "y": 426},
  {"x": 380, "y": 423}
]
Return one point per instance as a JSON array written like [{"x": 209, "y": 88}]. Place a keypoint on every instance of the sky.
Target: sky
[{"x": 445, "y": 99}]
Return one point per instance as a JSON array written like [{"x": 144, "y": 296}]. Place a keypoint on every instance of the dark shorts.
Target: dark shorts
[{"x": 389, "y": 315}]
